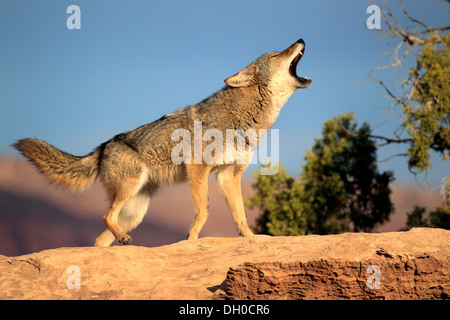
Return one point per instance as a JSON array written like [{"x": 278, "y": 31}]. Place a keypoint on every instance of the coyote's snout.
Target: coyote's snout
[{"x": 134, "y": 164}]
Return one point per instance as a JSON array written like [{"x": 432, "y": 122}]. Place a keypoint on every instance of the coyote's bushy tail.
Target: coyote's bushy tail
[{"x": 66, "y": 170}]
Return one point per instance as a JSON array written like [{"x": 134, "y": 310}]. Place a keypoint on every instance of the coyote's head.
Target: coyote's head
[{"x": 275, "y": 70}]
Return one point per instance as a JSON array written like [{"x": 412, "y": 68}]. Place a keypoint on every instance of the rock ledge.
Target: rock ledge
[{"x": 396, "y": 265}]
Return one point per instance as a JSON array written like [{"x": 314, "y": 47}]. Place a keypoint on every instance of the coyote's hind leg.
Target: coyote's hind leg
[
  {"x": 123, "y": 180},
  {"x": 130, "y": 215}
]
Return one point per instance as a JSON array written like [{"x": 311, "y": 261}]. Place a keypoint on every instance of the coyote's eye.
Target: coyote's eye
[{"x": 274, "y": 55}]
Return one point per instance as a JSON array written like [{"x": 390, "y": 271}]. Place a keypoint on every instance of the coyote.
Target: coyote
[{"x": 133, "y": 164}]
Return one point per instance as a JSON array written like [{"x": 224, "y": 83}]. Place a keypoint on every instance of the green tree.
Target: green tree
[
  {"x": 424, "y": 97},
  {"x": 427, "y": 116},
  {"x": 439, "y": 218},
  {"x": 278, "y": 199},
  {"x": 340, "y": 188},
  {"x": 415, "y": 218}
]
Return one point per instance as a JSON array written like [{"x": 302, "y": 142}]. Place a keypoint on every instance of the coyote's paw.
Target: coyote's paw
[{"x": 125, "y": 239}]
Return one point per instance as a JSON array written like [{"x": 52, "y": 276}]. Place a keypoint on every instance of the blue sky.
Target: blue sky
[{"x": 134, "y": 61}]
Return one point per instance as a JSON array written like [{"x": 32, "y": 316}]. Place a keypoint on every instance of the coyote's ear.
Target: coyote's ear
[{"x": 243, "y": 78}]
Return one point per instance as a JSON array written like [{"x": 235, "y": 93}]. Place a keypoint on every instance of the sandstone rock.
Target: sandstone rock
[{"x": 407, "y": 265}]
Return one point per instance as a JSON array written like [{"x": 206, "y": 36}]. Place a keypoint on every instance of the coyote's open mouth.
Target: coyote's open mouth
[{"x": 304, "y": 81}]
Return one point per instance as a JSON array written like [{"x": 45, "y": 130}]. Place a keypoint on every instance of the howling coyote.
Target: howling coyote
[{"x": 133, "y": 165}]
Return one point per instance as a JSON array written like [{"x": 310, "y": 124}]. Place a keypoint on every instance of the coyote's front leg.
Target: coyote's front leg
[
  {"x": 198, "y": 179},
  {"x": 230, "y": 183}
]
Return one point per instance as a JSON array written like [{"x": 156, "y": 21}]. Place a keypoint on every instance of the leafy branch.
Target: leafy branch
[{"x": 424, "y": 99}]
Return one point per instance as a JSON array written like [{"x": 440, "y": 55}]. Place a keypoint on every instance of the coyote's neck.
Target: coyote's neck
[
  {"x": 254, "y": 107},
  {"x": 278, "y": 101},
  {"x": 273, "y": 101}
]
